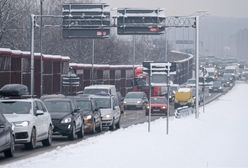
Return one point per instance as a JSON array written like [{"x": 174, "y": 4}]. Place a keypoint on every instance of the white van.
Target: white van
[{"x": 100, "y": 90}]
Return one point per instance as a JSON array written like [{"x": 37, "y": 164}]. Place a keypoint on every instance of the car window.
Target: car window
[
  {"x": 134, "y": 95},
  {"x": 115, "y": 102},
  {"x": 84, "y": 105},
  {"x": 2, "y": 119},
  {"x": 96, "y": 91},
  {"x": 18, "y": 107},
  {"x": 58, "y": 106},
  {"x": 40, "y": 106}
]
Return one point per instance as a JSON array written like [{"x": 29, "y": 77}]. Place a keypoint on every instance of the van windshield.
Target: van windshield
[
  {"x": 96, "y": 91},
  {"x": 103, "y": 102}
]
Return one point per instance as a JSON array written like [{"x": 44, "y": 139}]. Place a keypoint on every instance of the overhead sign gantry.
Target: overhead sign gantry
[
  {"x": 140, "y": 21},
  {"x": 90, "y": 20}
]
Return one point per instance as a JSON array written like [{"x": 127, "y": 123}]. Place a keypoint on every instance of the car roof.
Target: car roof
[
  {"x": 19, "y": 100},
  {"x": 58, "y": 99},
  {"x": 101, "y": 96},
  {"x": 135, "y": 92},
  {"x": 100, "y": 86}
]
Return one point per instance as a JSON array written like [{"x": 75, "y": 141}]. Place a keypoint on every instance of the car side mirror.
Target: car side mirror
[
  {"x": 76, "y": 110},
  {"x": 39, "y": 112}
]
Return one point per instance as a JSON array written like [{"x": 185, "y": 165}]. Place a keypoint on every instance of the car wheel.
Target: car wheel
[
  {"x": 72, "y": 136},
  {"x": 32, "y": 143},
  {"x": 48, "y": 141},
  {"x": 10, "y": 152},
  {"x": 112, "y": 127},
  {"x": 118, "y": 124},
  {"x": 80, "y": 134},
  {"x": 93, "y": 131},
  {"x": 99, "y": 129}
]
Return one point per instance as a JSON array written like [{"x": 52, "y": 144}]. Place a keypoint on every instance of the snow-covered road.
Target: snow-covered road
[{"x": 217, "y": 139}]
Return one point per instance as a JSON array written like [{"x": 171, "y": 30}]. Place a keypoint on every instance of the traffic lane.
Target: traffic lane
[
  {"x": 132, "y": 117},
  {"x": 58, "y": 141},
  {"x": 128, "y": 118}
]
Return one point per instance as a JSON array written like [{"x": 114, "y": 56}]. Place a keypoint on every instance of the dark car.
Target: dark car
[
  {"x": 89, "y": 112},
  {"x": 136, "y": 100},
  {"x": 158, "y": 106},
  {"x": 7, "y": 139},
  {"x": 217, "y": 87},
  {"x": 66, "y": 117},
  {"x": 227, "y": 80}
]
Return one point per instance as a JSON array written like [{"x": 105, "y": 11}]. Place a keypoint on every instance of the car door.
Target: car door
[
  {"x": 3, "y": 132},
  {"x": 39, "y": 120},
  {"x": 96, "y": 112},
  {"x": 76, "y": 116},
  {"x": 46, "y": 118},
  {"x": 117, "y": 111}
]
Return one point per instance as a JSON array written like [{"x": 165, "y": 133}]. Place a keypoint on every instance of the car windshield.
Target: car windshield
[
  {"x": 217, "y": 83},
  {"x": 84, "y": 105},
  {"x": 58, "y": 106},
  {"x": 191, "y": 81},
  {"x": 134, "y": 95},
  {"x": 140, "y": 82},
  {"x": 159, "y": 78},
  {"x": 103, "y": 102},
  {"x": 96, "y": 91},
  {"x": 159, "y": 100},
  {"x": 18, "y": 107}
]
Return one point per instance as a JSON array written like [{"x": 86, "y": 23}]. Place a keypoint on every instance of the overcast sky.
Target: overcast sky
[{"x": 226, "y": 8}]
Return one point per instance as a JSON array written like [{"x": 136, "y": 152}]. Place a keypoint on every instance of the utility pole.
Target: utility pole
[
  {"x": 32, "y": 55},
  {"x": 41, "y": 57},
  {"x": 197, "y": 65}
]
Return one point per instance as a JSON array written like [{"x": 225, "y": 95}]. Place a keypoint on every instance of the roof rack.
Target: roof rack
[{"x": 15, "y": 91}]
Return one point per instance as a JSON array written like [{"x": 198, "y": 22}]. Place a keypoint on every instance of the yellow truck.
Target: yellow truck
[{"x": 184, "y": 97}]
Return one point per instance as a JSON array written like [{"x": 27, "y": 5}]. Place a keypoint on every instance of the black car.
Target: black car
[
  {"x": 66, "y": 117},
  {"x": 217, "y": 87},
  {"x": 7, "y": 139},
  {"x": 89, "y": 112}
]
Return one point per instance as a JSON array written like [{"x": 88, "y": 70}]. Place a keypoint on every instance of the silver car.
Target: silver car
[
  {"x": 31, "y": 120},
  {"x": 136, "y": 100},
  {"x": 110, "y": 111}
]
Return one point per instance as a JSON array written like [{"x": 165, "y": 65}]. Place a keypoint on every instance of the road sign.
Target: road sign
[
  {"x": 70, "y": 80},
  {"x": 140, "y": 21},
  {"x": 86, "y": 20}
]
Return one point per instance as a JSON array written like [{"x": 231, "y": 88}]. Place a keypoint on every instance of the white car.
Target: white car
[
  {"x": 110, "y": 111},
  {"x": 31, "y": 120}
]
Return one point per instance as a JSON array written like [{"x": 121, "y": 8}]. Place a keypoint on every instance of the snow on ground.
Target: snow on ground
[{"x": 217, "y": 139}]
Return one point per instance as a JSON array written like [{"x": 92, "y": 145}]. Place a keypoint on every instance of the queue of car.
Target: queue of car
[{"x": 28, "y": 120}]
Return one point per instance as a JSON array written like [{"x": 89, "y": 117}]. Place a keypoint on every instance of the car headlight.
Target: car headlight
[
  {"x": 88, "y": 117},
  {"x": 108, "y": 116},
  {"x": 147, "y": 107},
  {"x": 163, "y": 107},
  {"x": 124, "y": 102},
  {"x": 12, "y": 126},
  {"x": 138, "y": 102},
  {"x": 21, "y": 124},
  {"x": 66, "y": 120}
]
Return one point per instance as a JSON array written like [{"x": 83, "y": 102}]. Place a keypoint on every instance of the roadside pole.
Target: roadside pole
[
  {"x": 32, "y": 55},
  {"x": 168, "y": 99},
  {"x": 150, "y": 95},
  {"x": 197, "y": 65}
]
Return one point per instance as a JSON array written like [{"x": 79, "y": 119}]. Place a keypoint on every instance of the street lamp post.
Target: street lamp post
[
  {"x": 197, "y": 65},
  {"x": 41, "y": 57}
]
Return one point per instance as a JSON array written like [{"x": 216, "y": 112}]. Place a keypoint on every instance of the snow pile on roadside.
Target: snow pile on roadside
[{"x": 217, "y": 139}]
